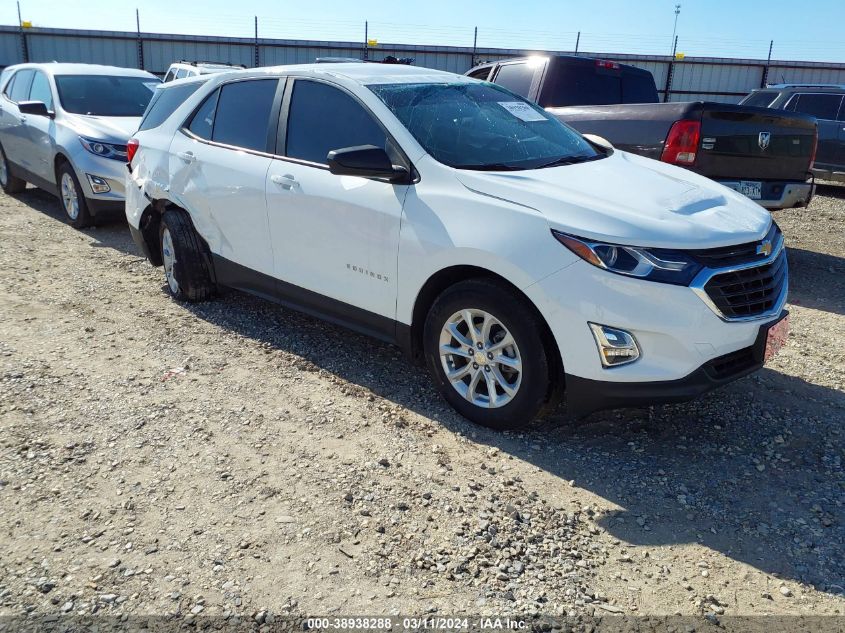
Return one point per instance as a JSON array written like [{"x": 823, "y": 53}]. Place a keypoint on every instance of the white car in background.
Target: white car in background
[
  {"x": 64, "y": 127},
  {"x": 467, "y": 225},
  {"x": 184, "y": 70}
]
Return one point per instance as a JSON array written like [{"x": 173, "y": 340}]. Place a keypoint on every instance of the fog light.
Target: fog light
[
  {"x": 616, "y": 347},
  {"x": 98, "y": 185}
]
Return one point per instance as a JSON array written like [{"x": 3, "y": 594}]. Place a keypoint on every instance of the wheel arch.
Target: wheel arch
[{"x": 443, "y": 279}]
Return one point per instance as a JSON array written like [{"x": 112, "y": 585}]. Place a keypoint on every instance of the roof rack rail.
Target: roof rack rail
[
  {"x": 197, "y": 62},
  {"x": 807, "y": 85}
]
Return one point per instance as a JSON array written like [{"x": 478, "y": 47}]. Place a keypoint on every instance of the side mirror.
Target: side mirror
[
  {"x": 598, "y": 140},
  {"x": 35, "y": 108},
  {"x": 366, "y": 161}
]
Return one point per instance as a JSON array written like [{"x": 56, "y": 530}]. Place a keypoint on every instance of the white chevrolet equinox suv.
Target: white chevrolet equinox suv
[{"x": 518, "y": 258}]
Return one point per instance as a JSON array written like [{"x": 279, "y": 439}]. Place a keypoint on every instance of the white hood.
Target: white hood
[{"x": 627, "y": 199}]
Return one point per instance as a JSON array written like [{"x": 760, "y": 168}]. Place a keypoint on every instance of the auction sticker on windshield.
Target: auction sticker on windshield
[{"x": 522, "y": 111}]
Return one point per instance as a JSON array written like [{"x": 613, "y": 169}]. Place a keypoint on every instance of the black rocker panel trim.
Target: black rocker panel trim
[{"x": 233, "y": 275}]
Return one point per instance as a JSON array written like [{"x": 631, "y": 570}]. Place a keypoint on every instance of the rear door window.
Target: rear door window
[
  {"x": 164, "y": 103},
  {"x": 481, "y": 73},
  {"x": 323, "y": 118},
  {"x": 243, "y": 114},
  {"x": 516, "y": 77},
  {"x": 20, "y": 89},
  {"x": 202, "y": 123},
  {"x": 820, "y": 105},
  {"x": 760, "y": 99}
]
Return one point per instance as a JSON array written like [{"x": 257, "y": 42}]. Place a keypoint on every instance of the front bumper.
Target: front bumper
[
  {"x": 585, "y": 396},
  {"x": 112, "y": 171},
  {"x": 781, "y": 194}
]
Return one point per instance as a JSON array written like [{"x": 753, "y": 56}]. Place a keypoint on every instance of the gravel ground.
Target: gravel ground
[{"x": 236, "y": 458}]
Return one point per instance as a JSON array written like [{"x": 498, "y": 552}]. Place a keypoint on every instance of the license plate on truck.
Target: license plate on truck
[
  {"x": 776, "y": 338},
  {"x": 750, "y": 188}
]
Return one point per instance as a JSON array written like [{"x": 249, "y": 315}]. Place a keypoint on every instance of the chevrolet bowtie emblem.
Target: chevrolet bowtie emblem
[{"x": 764, "y": 248}]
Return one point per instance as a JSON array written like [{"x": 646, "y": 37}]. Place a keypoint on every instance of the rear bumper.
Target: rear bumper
[
  {"x": 781, "y": 194},
  {"x": 585, "y": 396}
]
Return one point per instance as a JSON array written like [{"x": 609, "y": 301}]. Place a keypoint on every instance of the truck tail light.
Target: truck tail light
[
  {"x": 131, "y": 148},
  {"x": 815, "y": 147},
  {"x": 682, "y": 143},
  {"x": 603, "y": 63}
]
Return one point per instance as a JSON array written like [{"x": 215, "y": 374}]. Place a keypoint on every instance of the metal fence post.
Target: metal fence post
[
  {"x": 474, "y": 48},
  {"x": 577, "y": 42},
  {"x": 366, "y": 41},
  {"x": 140, "y": 40},
  {"x": 256, "y": 42},
  {"x": 24, "y": 43},
  {"x": 765, "y": 78},
  {"x": 669, "y": 72}
]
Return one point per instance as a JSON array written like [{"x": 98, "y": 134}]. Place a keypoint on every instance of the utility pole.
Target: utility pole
[
  {"x": 24, "y": 43},
  {"x": 256, "y": 42},
  {"x": 140, "y": 40},
  {"x": 765, "y": 78},
  {"x": 675, "y": 28},
  {"x": 670, "y": 71}
]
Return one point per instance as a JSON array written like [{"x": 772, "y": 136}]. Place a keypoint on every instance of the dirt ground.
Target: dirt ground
[{"x": 235, "y": 458}]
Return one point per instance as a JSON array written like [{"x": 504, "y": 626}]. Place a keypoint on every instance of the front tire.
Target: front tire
[
  {"x": 184, "y": 256},
  {"x": 484, "y": 347},
  {"x": 8, "y": 181},
  {"x": 73, "y": 198}
]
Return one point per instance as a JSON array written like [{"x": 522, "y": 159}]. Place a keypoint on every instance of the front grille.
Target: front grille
[
  {"x": 735, "y": 255},
  {"x": 750, "y": 292},
  {"x": 730, "y": 365}
]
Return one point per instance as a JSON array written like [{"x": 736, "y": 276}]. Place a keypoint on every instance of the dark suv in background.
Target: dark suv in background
[{"x": 826, "y": 102}]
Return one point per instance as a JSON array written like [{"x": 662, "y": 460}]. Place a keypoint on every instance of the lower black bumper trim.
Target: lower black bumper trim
[
  {"x": 585, "y": 396},
  {"x": 104, "y": 207}
]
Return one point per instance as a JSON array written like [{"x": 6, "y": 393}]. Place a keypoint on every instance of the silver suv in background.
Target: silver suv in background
[
  {"x": 64, "y": 127},
  {"x": 826, "y": 102}
]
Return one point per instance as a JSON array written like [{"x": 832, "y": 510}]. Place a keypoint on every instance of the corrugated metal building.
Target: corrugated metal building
[{"x": 705, "y": 78}]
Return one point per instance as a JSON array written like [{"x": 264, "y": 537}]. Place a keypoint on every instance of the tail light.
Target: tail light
[
  {"x": 682, "y": 143},
  {"x": 815, "y": 147},
  {"x": 131, "y": 147},
  {"x": 607, "y": 65}
]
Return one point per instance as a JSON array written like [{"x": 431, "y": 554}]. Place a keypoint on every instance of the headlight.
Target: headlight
[
  {"x": 653, "y": 264},
  {"x": 106, "y": 150}
]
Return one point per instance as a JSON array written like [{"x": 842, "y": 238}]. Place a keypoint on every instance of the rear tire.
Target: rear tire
[
  {"x": 185, "y": 258},
  {"x": 503, "y": 355},
  {"x": 8, "y": 181},
  {"x": 72, "y": 198}
]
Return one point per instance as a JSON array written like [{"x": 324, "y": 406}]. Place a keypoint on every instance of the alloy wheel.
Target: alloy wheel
[
  {"x": 168, "y": 256},
  {"x": 4, "y": 175},
  {"x": 70, "y": 197},
  {"x": 480, "y": 358}
]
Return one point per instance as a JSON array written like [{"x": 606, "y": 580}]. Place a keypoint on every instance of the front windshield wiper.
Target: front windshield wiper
[
  {"x": 570, "y": 160},
  {"x": 490, "y": 167}
]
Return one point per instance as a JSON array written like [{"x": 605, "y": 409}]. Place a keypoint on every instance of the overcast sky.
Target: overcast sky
[{"x": 730, "y": 28}]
